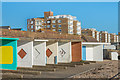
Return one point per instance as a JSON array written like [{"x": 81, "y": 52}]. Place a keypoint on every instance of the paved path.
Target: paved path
[{"x": 68, "y": 72}]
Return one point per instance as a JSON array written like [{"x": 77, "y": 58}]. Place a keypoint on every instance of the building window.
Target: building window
[
  {"x": 54, "y": 30},
  {"x": 37, "y": 22},
  {"x": 70, "y": 32},
  {"x": 41, "y": 21},
  {"x": 31, "y": 22},
  {"x": 53, "y": 26},
  {"x": 59, "y": 21},
  {"x": 48, "y": 21},
  {"x": 38, "y": 27},
  {"x": 48, "y": 26},
  {"x": 28, "y": 22},
  {"x": 59, "y": 25},
  {"x": 31, "y": 26},
  {"x": 53, "y": 21},
  {"x": 59, "y": 30}
]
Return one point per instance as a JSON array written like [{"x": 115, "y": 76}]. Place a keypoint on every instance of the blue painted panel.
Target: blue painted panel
[
  {"x": 55, "y": 59},
  {"x": 46, "y": 59},
  {"x": 103, "y": 46},
  {"x": 83, "y": 52}
]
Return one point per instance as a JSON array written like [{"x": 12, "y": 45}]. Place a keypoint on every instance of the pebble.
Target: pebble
[{"x": 105, "y": 71}]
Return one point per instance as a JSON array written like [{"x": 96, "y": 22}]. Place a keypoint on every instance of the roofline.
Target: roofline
[
  {"x": 94, "y": 43},
  {"x": 40, "y": 40},
  {"x": 3, "y": 38}
]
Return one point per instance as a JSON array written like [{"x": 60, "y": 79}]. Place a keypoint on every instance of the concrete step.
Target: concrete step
[
  {"x": 92, "y": 61},
  {"x": 72, "y": 63},
  {"x": 84, "y": 62},
  {"x": 64, "y": 65},
  {"x": 11, "y": 75},
  {"x": 37, "y": 69},
  {"x": 50, "y": 66},
  {"x": 22, "y": 72}
]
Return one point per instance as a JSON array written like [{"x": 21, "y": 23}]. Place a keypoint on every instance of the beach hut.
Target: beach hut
[
  {"x": 8, "y": 53},
  {"x": 51, "y": 52},
  {"x": 39, "y": 52},
  {"x": 25, "y": 53},
  {"x": 92, "y": 50},
  {"x": 64, "y": 52}
]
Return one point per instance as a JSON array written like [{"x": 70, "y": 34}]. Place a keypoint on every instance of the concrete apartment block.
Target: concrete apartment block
[
  {"x": 108, "y": 40},
  {"x": 47, "y": 14},
  {"x": 39, "y": 52},
  {"x": 97, "y": 35},
  {"x": 51, "y": 52},
  {"x": 77, "y": 27},
  {"x": 119, "y": 37},
  {"x": 64, "y": 52},
  {"x": 59, "y": 23},
  {"x": 76, "y": 51},
  {"x": 113, "y": 38},
  {"x": 103, "y": 36},
  {"x": 35, "y": 24},
  {"x": 91, "y": 32},
  {"x": 25, "y": 53}
]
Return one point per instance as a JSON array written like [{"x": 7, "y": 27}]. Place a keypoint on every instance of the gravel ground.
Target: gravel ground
[{"x": 108, "y": 70}]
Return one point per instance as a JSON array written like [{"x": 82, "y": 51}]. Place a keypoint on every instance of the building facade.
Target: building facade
[
  {"x": 103, "y": 36},
  {"x": 77, "y": 27},
  {"x": 119, "y": 37},
  {"x": 91, "y": 32},
  {"x": 35, "y": 24},
  {"x": 65, "y": 24},
  {"x": 113, "y": 37}
]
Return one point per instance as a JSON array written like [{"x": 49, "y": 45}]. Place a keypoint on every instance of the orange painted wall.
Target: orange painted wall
[{"x": 76, "y": 51}]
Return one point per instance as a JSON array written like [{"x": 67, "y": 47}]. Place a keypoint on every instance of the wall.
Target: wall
[
  {"x": 53, "y": 47},
  {"x": 76, "y": 51},
  {"x": 114, "y": 56},
  {"x": 89, "y": 53},
  {"x": 25, "y": 48},
  {"x": 98, "y": 53},
  {"x": 109, "y": 47},
  {"x": 64, "y": 52},
  {"x": 39, "y": 53}
]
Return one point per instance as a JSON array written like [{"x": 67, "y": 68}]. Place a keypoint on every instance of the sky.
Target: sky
[
  {"x": 60, "y": 0},
  {"x": 103, "y": 16}
]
